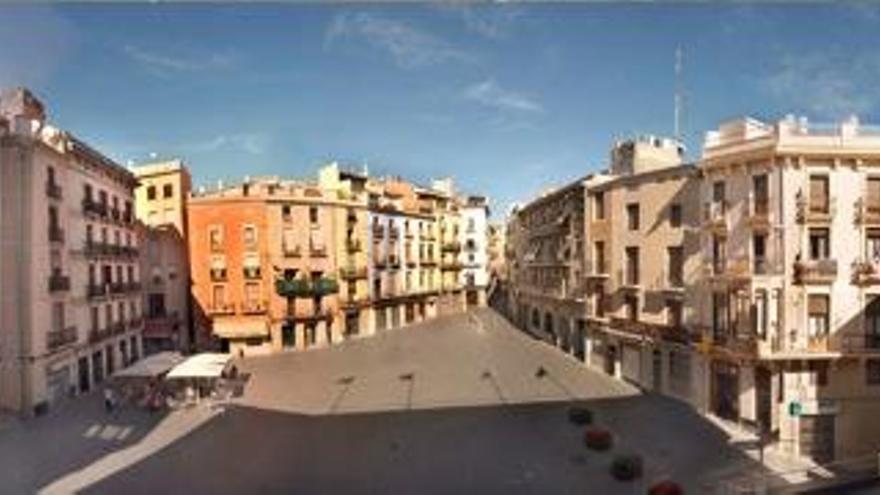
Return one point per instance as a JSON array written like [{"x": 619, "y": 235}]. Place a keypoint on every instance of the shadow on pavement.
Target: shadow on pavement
[
  {"x": 35, "y": 452},
  {"x": 521, "y": 448}
]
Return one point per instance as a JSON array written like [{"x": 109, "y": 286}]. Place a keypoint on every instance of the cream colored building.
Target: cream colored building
[
  {"x": 161, "y": 205},
  {"x": 791, "y": 248},
  {"x": 70, "y": 295}
]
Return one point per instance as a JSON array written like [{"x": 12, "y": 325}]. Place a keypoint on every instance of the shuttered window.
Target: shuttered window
[
  {"x": 873, "y": 199},
  {"x": 819, "y": 193}
]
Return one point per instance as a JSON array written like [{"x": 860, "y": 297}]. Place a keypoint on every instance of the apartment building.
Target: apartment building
[
  {"x": 475, "y": 246},
  {"x": 161, "y": 205},
  {"x": 547, "y": 276},
  {"x": 791, "y": 242},
  {"x": 643, "y": 267},
  {"x": 264, "y": 265},
  {"x": 70, "y": 293}
]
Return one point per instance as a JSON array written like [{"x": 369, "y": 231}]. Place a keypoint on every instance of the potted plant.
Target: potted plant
[
  {"x": 626, "y": 467},
  {"x": 598, "y": 439},
  {"x": 580, "y": 415},
  {"x": 666, "y": 487}
]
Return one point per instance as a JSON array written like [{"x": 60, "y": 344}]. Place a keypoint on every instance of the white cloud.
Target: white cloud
[
  {"x": 252, "y": 143},
  {"x": 490, "y": 94},
  {"x": 408, "y": 46},
  {"x": 830, "y": 83},
  {"x": 166, "y": 65}
]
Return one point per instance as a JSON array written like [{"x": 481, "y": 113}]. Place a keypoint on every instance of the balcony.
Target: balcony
[
  {"x": 451, "y": 265},
  {"x": 132, "y": 287},
  {"x": 353, "y": 272},
  {"x": 59, "y": 283},
  {"x": 56, "y": 339},
  {"x": 810, "y": 272},
  {"x": 820, "y": 212},
  {"x": 251, "y": 272},
  {"x": 318, "y": 251},
  {"x": 53, "y": 190},
  {"x": 117, "y": 287},
  {"x": 759, "y": 212},
  {"x": 291, "y": 251},
  {"x": 56, "y": 234},
  {"x": 95, "y": 291},
  {"x": 730, "y": 272},
  {"x": 117, "y": 327},
  {"x": 221, "y": 309},
  {"x": 353, "y": 245},
  {"x": 394, "y": 233},
  {"x": 715, "y": 216},
  {"x": 292, "y": 288},
  {"x": 136, "y": 321},
  {"x": 867, "y": 213},
  {"x": 740, "y": 345},
  {"x": 218, "y": 274},
  {"x": 378, "y": 231},
  {"x": 92, "y": 207},
  {"x": 97, "y": 335},
  {"x": 254, "y": 307},
  {"x": 860, "y": 344},
  {"x": 325, "y": 286},
  {"x": 451, "y": 247},
  {"x": 428, "y": 261},
  {"x": 866, "y": 272}
]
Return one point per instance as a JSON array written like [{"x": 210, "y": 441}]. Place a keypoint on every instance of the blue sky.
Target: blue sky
[{"x": 509, "y": 99}]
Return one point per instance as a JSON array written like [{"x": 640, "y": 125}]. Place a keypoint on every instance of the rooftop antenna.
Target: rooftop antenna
[{"x": 678, "y": 94}]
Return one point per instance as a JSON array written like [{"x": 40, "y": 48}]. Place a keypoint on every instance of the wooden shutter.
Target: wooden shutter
[
  {"x": 817, "y": 304},
  {"x": 873, "y": 198},
  {"x": 819, "y": 192}
]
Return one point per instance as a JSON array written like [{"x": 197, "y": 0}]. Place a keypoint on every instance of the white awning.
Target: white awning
[
  {"x": 237, "y": 328},
  {"x": 151, "y": 366},
  {"x": 206, "y": 365}
]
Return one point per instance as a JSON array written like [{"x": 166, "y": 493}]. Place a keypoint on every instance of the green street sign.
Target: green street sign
[{"x": 795, "y": 408}]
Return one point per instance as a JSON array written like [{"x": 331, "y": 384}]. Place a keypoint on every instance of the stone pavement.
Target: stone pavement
[{"x": 455, "y": 405}]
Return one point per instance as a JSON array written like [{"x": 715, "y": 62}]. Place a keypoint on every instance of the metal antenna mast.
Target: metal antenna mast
[{"x": 678, "y": 94}]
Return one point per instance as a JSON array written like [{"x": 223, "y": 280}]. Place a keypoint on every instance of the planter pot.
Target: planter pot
[
  {"x": 626, "y": 467},
  {"x": 666, "y": 487},
  {"x": 598, "y": 439},
  {"x": 580, "y": 416}
]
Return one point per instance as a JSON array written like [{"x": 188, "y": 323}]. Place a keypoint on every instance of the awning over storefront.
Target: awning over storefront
[
  {"x": 240, "y": 329},
  {"x": 205, "y": 365},
  {"x": 151, "y": 366}
]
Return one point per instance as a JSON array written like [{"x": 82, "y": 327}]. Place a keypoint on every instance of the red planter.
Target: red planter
[
  {"x": 598, "y": 439},
  {"x": 666, "y": 487}
]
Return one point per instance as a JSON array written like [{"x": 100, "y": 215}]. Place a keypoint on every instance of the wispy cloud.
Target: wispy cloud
[
  {"x": 408, "y": 46},
  {"x": 163, "y": 64},
  {"x": 252, "y": 143},
  {"x": 829, "y": 83},
  {"x": 490, "y": 94},
  {"x": 494, "y": 22}
]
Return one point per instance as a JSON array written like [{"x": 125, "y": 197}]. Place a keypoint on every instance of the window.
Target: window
[
  {"x": 631, "y": 301},
  {"x": 93, "y": 311},
  {"x": 819, "y": 193},
  {"x": 819, "y": 244},
  {"x": 167, "y": 191},
  {"x": 759, "y": 320},
  {"x": 250, "y": 237},
  {"x": 872, "y": 201},
  {"x": 599, "y": 205},
  {"x": 675, "y": 257},
  {"x": 761, "y": 197},
  {"x": 872, "y": 249},
  {"x": 50, "y": 176},
  {"x": 632, "y": 216},
  {"x": 759, "y": 254},
  {"x": 719, "y": 254},
  {"x": 632, "y": 265},
  {"x": 818, "y": 315},
  {"x": 872, "y": 371},
  {"x": 718, "y": 192},
  {"x": 90, "y": 234},
  {"x": 285, "y": 212},
  {"x": 599, "y": 248},
  {"x": 313, "y": 214},
  {"x": 872, "y": 324},
  {"x": 215, "y": 236},
  {"x": 219, "y": 296},
  {"x": 151, "y": 193},
  {"x": 674, "y": 313},
  {"x": 675, "y": 215},
  {"x": 600, "y": 302},
  {"x": 252, "y": 292},
  {"x": 87, "y": 192},
  {"x": 719, "y": 315},
  {"x": 57, "y": 315}
]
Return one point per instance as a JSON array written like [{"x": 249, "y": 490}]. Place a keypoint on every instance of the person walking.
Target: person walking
[{"x": 108, "y": 400}]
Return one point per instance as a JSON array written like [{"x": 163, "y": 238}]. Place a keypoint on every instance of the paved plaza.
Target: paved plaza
[{"x": 455, "y": 405}]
